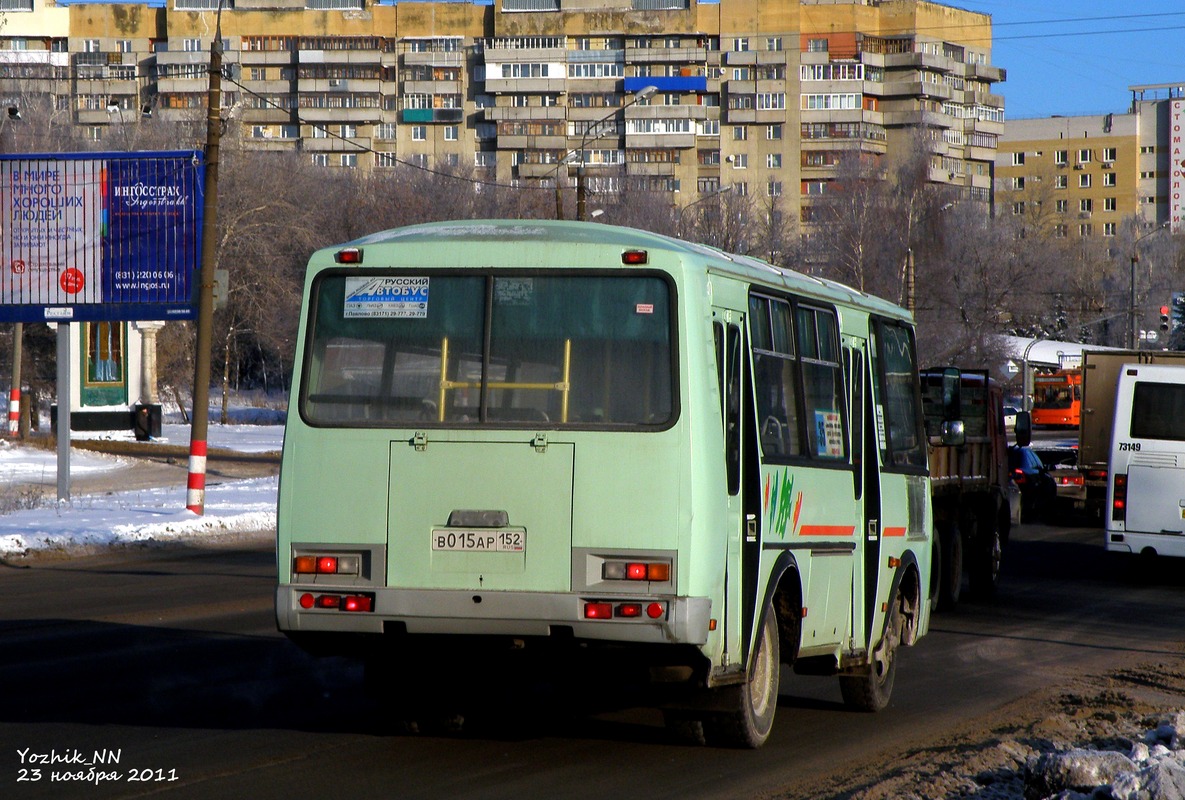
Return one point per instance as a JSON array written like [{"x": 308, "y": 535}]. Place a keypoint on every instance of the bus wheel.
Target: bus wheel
[
  {"x": 870, "y": 688},
  {"x": 749, "y": 717},
  {"x": 984, "y": 570},
  {"x": 950, "y": 566}
]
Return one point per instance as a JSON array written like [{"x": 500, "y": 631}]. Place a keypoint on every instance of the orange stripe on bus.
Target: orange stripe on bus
[
  {"x": 827, "y": 530},
  {"x": 894, "y": 531}
]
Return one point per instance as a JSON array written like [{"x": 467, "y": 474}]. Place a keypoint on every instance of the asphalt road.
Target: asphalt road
[{"x": 169, "y": 658}]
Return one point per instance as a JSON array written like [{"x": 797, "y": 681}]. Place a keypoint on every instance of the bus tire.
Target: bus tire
[
  {"x": 749, "y": 717},
  {"x": 871, "y": 687},
  {"x": 988, "y": 548},
  {"x": 950, "y": 565}
]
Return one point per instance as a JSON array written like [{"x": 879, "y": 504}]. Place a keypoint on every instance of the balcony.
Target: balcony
[
  {"x": 333, "y": 144},
  {"x": 526, "y": 85},
  {"x": 435, "y": 58},
  {"x": 339, "y": 115},
  {"x": 666, "y": 55},
  {"x": 433, "y": 87},
  {"x": 371, "y": 56},
  {"x": 680, "y": 83},
  {"x": 542, "y": 142},
  {"x": 500, "y": 113},
  {"x": 334, "y": 85},
  {"x": 263, "y": 58},
  {"x": 434, "y": 115}
]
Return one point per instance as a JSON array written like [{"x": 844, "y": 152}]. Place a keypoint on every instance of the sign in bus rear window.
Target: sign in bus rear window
[
  {"x": 388, "y": 350},
  {"x": 394, "y": 298}
]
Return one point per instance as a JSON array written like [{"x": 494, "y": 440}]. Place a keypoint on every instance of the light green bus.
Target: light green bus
[{"x": 511, "y": 438}]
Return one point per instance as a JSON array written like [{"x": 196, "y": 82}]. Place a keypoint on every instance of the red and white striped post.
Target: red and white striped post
[
  {"x": 195, "y": 489},
  {"x": 14, "y": 412}
]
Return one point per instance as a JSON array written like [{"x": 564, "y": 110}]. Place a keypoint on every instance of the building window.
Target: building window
[
  {"x": 450, "y": 133},
  {"x": 773, "y": 43},
  {"x": 1061, "y": 182},
  {"x": 1018, "y": 159},
  {"x": 1108, "y": 228},
  {"x": 1109, "y": 153},
  {"x": 1061, "y": 157},
  {"x": 773, "y": 189},
  {"x": 773, "y": 132},
  {"x": 1109, "y": 179},
  {"x": 740, "y": 161},
  {"x": 740, "y": 133},
  {"x": 349, "y": 160},
  {"x": 773, "y": 160},
  {"x": 1086, "y": 205},
  {"x": 740, "y": 45},
  {"x": 1063, "y": 206},
  {"x": 1110, "y": 204},
  {"x": 320, "y": 159},
  {"x": 816, "y": 46},
  {"x": 1085, "y": 229},
  {"x": 1084, "y": 181},
  {"x": 1018, "y": 209},
  {"x": 419, "y": 133},
  {"x": 1084, "y": 156},
  {"x": 386, "y": 160}
]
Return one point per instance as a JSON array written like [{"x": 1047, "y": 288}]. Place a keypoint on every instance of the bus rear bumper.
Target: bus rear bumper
[{"x": 683, "y": 620}]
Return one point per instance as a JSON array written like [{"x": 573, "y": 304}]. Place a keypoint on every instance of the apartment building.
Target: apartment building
[
  {"x": 1094, "y": 175},
  {"x": 761, "y": 96}
]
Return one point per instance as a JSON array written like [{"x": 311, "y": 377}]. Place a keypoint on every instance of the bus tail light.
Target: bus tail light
[
  {"x": 601, "y": 609},
  {"x": 1070, "y": 479},
  {"x": 337, "y": 602},
  {"x": 327, "y": 565},
  {"x": 652, "y": 571},
  {"x": 1119, "y": 499}
]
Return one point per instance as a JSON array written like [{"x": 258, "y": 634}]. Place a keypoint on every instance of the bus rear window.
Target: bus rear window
[
  {"x": 386, "y": 350},
  {"x": 1158, "y": 411}
]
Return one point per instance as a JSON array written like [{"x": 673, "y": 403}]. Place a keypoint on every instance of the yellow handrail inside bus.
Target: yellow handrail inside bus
[{"x": 563, "y": 385}]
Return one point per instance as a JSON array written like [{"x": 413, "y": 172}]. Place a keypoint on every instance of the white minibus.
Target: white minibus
[{"x": 1146, "y": 493}]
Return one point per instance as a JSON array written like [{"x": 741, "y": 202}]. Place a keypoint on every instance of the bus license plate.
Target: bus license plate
[{"x": 479, "y": 541}]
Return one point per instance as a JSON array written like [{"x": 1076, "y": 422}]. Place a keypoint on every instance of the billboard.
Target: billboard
[{"x": 100, "y": 236}]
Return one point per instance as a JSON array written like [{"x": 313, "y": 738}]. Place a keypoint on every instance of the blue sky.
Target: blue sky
[{"x": 1080, "y": 56}]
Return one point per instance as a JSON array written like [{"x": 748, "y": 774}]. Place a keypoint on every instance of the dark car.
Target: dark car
[
  {"x": 1038, "y": 489},
  {"x": 1061, "y": 460}
]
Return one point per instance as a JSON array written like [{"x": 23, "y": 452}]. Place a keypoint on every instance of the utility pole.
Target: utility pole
[{"x": 195, "y": 495}]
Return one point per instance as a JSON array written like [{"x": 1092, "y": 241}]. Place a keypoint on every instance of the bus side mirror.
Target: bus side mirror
[
  {"x": 1024, "y": 428},
  {"x": 954, "y": 434},
  {"x": 952, "y": 381}
]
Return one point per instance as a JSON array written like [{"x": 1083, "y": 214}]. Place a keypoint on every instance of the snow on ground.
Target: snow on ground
[{"x": 96, "y": 520}]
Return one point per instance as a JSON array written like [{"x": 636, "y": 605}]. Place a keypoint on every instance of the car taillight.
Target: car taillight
[
  {"x": 1070, "y": 480},
  {"x": 1018, "y": 476},
  {"x": 1119, "y": 499}
]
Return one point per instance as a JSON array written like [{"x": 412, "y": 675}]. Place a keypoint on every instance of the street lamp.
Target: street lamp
[
  {"x": 1132, "y": 335},
  {"x": 682, "y": 211},
  {"x": 581, "y": 192}
]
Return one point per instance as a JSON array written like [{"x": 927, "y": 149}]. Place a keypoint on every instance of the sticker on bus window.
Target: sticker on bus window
[
  {"x": 390, "y": 298},
  {"x": 514, "y": 291},
  {"x": 829, "y": 434}
]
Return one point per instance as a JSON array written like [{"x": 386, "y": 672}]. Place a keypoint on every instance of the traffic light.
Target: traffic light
[{"x": 1164, "y": 318}]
